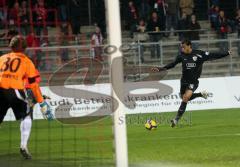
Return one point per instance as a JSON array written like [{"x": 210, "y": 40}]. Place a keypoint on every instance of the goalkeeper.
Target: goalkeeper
[
  {"x": 14, "y": 67},
  {"x": 192, "y": 62}
]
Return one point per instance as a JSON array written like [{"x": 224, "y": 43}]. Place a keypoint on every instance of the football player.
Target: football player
[
  {"x": 192, "y": 62},
  {"x": 14, "y": 67}
]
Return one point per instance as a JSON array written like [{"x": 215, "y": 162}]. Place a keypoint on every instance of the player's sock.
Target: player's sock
[
  {"x": 181, "y": 110},
  {"x": 195, "y": 95},
  {"x": 25, "y": 129}
]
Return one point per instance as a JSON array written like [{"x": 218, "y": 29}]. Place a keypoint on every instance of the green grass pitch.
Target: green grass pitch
[{"x": 213, "y": 140}]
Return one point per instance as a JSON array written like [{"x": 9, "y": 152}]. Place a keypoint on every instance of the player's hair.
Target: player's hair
[
  {"x": 18, "y": 43},
  {"x": 187, "y": 42}
]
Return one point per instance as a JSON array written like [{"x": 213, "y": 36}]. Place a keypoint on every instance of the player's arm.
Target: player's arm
[
  {"x": 207, "y": 56},
  {"x": 168, "y": 66},
  {"x": 34, "y": 86},
  {"x": 33, "y": 78}
]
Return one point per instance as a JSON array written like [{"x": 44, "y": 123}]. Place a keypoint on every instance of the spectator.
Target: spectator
[
  {"x": 62, "y": 10},
  {"x": 97, "y": 44},
  {"x": 63, "y": 52},
  {"x": 172, "y": 14},
  {"x": 144, "y": 9},
  {"x": 2, "y": 3},
  {"x": 151, "y": 4},
  {"x": 36, "y": 54},
  {"x": 141, "y": 26},
  {"x": 3, "y": 14},
  {"x": 194, "y": 35},
  {"x": 183, "y": 25},
  {"x": 75, "y": 16},
  {"x": 154, "y": 27},
  {"x": 11, "y": 33},
  {"x": 222, "y": 30},
  {"x": 160, "y": 8},
  {"x": 141, "y": 37},
  {"x": 186, "y": 6},
  {"x": 24, "y": 18},
  {"x": 100, "y": 16},
  {"x": 6, "y": 38},
  {"x": 41, "y": 18},
  {"x": 215, "y": 2},
  {"x": 63, "y": 39},
  {"x": 14, "y": 13},
  {"x": 237, "y": 20},
  {"x": 132, "y": 17},
  {"x": 65, "y": 28},
  {"x": 213, "y": 15}
]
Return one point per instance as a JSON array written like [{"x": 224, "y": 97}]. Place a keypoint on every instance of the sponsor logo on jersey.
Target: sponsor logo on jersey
[
  {"x": 191, "y": 65},
  {"x": 194, "y": 58}
]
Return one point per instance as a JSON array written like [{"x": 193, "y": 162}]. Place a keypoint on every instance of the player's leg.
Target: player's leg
[
  {"x": 185, "y": 98},
  {"x": 4, "y": 106},
  {"x": 26, "y": 123},
  {"x": 195, "y": 95},
  {"x": 21, "y": 111},
  {"x": 203, "y": 94},
  {"x": 3, "y": 111},
  {"x": 25, "y": 129},
  {"x": 186, "y": 93}
]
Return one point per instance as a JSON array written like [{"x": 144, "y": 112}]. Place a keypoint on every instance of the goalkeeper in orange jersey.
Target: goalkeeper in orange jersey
[{"x": 14, "y": 67}]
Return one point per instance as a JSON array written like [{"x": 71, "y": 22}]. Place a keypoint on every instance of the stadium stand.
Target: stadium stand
[
  {"x": 169, "y": 52},
  {"x": 50, "y": 58}
]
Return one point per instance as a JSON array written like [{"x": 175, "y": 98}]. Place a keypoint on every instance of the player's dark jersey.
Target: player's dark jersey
[{"x": 192, "y": 64}]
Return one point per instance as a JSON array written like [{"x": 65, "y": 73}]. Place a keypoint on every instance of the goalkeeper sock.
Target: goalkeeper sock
[
  {"x": 25, "y": 128},
  {"x": 195, "y": 95},
  {"x": 181, "y": 110}
]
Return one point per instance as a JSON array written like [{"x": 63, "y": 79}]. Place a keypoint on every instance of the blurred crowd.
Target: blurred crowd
[
  {"x": 146, "y": 20},
  {"x": 28, "y": 16},
  {"x": 161, "y": 18},
  {"x": 32, "y": 20}
]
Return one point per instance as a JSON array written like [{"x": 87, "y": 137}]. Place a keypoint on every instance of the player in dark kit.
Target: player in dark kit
[{"x": 192, "y": 61}]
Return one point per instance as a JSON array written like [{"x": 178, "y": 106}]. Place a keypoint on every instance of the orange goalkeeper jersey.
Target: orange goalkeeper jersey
[
  {"x": 37, "y": 80},
  {"x": 14, "y": 67}
]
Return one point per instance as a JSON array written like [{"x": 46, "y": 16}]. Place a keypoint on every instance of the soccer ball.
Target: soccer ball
[{"x": 150, "y": 124}]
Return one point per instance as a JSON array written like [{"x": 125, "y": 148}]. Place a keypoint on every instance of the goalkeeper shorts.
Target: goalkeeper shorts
[{"x": 15, "y": 99}]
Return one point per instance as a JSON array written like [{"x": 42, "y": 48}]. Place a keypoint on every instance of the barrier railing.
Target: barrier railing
[
  {"x": 137, "y": 57},
  {"x": 172, "y": 48}
]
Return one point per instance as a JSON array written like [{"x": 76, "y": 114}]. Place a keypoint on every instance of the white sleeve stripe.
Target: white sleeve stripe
[{"x": 19, "y": 96}]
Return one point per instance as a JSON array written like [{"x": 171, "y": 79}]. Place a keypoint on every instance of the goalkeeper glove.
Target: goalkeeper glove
[
  {"x": 46, "y": 97},
  {"x": 46, "y": 111}
]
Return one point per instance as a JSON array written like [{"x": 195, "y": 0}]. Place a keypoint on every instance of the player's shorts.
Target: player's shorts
[
  {"x": 31, "y": 101},
  {"x": 15, "y": 99},
  {"x": 188, "y": 86}
]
